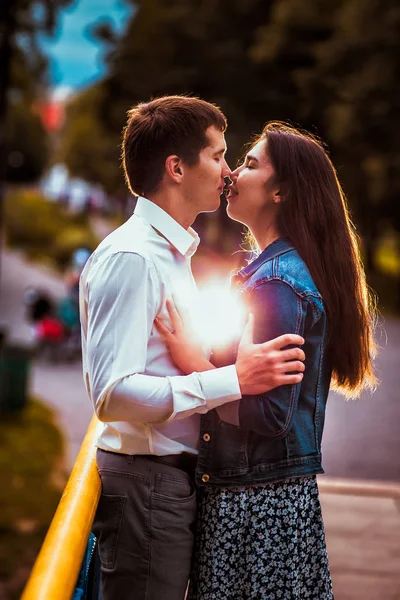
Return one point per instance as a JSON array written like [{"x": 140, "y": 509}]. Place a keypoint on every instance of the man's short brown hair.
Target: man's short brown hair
[{"x": 159, "y": 128}]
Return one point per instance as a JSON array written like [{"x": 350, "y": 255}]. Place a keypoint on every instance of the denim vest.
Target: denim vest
[{"x": 278, "y": 434}]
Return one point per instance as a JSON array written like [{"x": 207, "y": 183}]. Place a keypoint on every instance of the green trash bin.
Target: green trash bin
[{"x": 15, "y": 362}]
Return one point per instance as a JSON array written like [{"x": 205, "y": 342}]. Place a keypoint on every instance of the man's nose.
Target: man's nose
[{"x": 226, "y": 172}]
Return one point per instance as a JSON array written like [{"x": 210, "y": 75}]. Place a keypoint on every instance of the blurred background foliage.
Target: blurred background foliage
[
  {"x": 330, "y": 66},
  {"x": 31, "y": 481},
  {"x": 46, "y": 231},
  {"x": 24, "y": 79}
]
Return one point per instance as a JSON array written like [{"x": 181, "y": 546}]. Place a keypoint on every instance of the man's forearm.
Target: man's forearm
[
  {"x": 148, "y": 399},
  {"x": 138, "y": 398}
]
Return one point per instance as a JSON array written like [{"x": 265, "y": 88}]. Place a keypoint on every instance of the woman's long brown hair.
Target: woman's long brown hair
[{"x": 314, "y": 216}]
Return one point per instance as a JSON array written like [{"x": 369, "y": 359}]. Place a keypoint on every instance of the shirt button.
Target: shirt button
[
  {"x": 205, "y": 478},
  {"x": 206, "y": 437}
]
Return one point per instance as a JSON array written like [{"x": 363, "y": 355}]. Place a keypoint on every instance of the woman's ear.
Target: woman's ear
[
  {"x": 173, "y": 168},
  {"x": 277, "y": 197}
]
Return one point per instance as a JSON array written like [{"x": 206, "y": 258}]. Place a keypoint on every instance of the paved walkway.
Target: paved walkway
[
  {"x": 60, "y": 386},
  {"x": 363, "y": 540},
  {"x": 69, "y": 401}
]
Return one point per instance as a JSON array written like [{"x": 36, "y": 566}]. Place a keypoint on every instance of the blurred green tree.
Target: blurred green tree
[
  {"x": 23, "y": 69},
  {"x": 168, "y": 48},
  {"x": 90, "y": 149},
  {"x": 27, "y": 143},
  {"x": 22, "y": 72},
  {"x": 331, "y": 66},
  {"x": 351, "y": 94}
]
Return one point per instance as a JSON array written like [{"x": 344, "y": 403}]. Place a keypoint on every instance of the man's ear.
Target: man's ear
[{"x": 173, "y": 168}]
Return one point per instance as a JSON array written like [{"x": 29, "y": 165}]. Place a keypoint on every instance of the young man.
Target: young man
[{"x": 174, "y": 159}]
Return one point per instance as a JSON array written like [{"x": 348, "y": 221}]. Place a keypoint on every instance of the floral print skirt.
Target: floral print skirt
[{"x": 261, "y": 542}]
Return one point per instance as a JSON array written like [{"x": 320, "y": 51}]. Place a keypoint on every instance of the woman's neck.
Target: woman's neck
[{"x": 264, "y": 236}]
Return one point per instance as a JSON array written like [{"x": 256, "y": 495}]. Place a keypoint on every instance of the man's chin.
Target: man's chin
[{"x": 212, "y": 207}]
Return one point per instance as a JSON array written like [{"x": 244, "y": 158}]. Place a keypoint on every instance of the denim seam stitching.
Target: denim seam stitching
[
  {"x": 260, "y": 282},
  {"x": 273, "y": 277},
  {"x": 111, "y": 564},
  {"x": 163, "y": 498},
  {"x": 317, "y": 398},
  {"x": 267, "y": 260},
  {"x": 314, "y": 310},
  {"x": 152, "y": 483},
  {"x": 119, "y": 531},
  {"x": 129, "y": 475},
  {"x": 301, "y": 461},
  {"x": 303, "y": 295},
  {"x": 168, "y": 477},
  {"x": 275, "y": 264}
]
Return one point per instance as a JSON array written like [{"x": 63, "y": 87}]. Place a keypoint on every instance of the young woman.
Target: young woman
[{"x": 260, "y": 528}]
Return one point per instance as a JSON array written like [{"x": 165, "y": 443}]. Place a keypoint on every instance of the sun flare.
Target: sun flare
[{"x": 221, "y": 314}]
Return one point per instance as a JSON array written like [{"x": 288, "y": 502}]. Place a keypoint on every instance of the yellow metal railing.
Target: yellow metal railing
[
  {"x": 58, "y": 564},
  {"x": 59, "y": 561}
]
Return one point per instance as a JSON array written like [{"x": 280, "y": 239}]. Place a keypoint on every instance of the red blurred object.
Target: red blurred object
[
  {"x": 50, "y": 329},
  {"x": 52, "y": 114}
]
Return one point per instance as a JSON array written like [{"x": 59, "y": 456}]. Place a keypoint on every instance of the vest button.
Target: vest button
[
  {"x": 205, "y": 478},
  {"x": 206, "y": 437}
]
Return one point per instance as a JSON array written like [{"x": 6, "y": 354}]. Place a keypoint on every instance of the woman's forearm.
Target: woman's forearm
[{"x": 200, "y": 365}]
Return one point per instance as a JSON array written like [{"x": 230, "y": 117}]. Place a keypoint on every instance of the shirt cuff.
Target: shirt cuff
[{"x": 220, "y": 386}]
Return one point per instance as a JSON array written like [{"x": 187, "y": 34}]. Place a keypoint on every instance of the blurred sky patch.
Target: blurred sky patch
[{"x": 75, "y": 57}]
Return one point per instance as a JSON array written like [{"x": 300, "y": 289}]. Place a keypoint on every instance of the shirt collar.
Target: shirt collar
[
  {"x": 185, "y": 241},
  {"x": 276, "y": 248}
]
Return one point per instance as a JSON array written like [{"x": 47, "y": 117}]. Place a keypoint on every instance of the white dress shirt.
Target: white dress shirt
[{"x": 145, "y": 402}]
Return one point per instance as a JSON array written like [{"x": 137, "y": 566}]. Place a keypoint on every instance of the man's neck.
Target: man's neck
[{"x": 175, "y": 207}]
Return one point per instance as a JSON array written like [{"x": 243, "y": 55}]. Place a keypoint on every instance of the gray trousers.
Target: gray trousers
[{"x": 145, "y": 526}]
